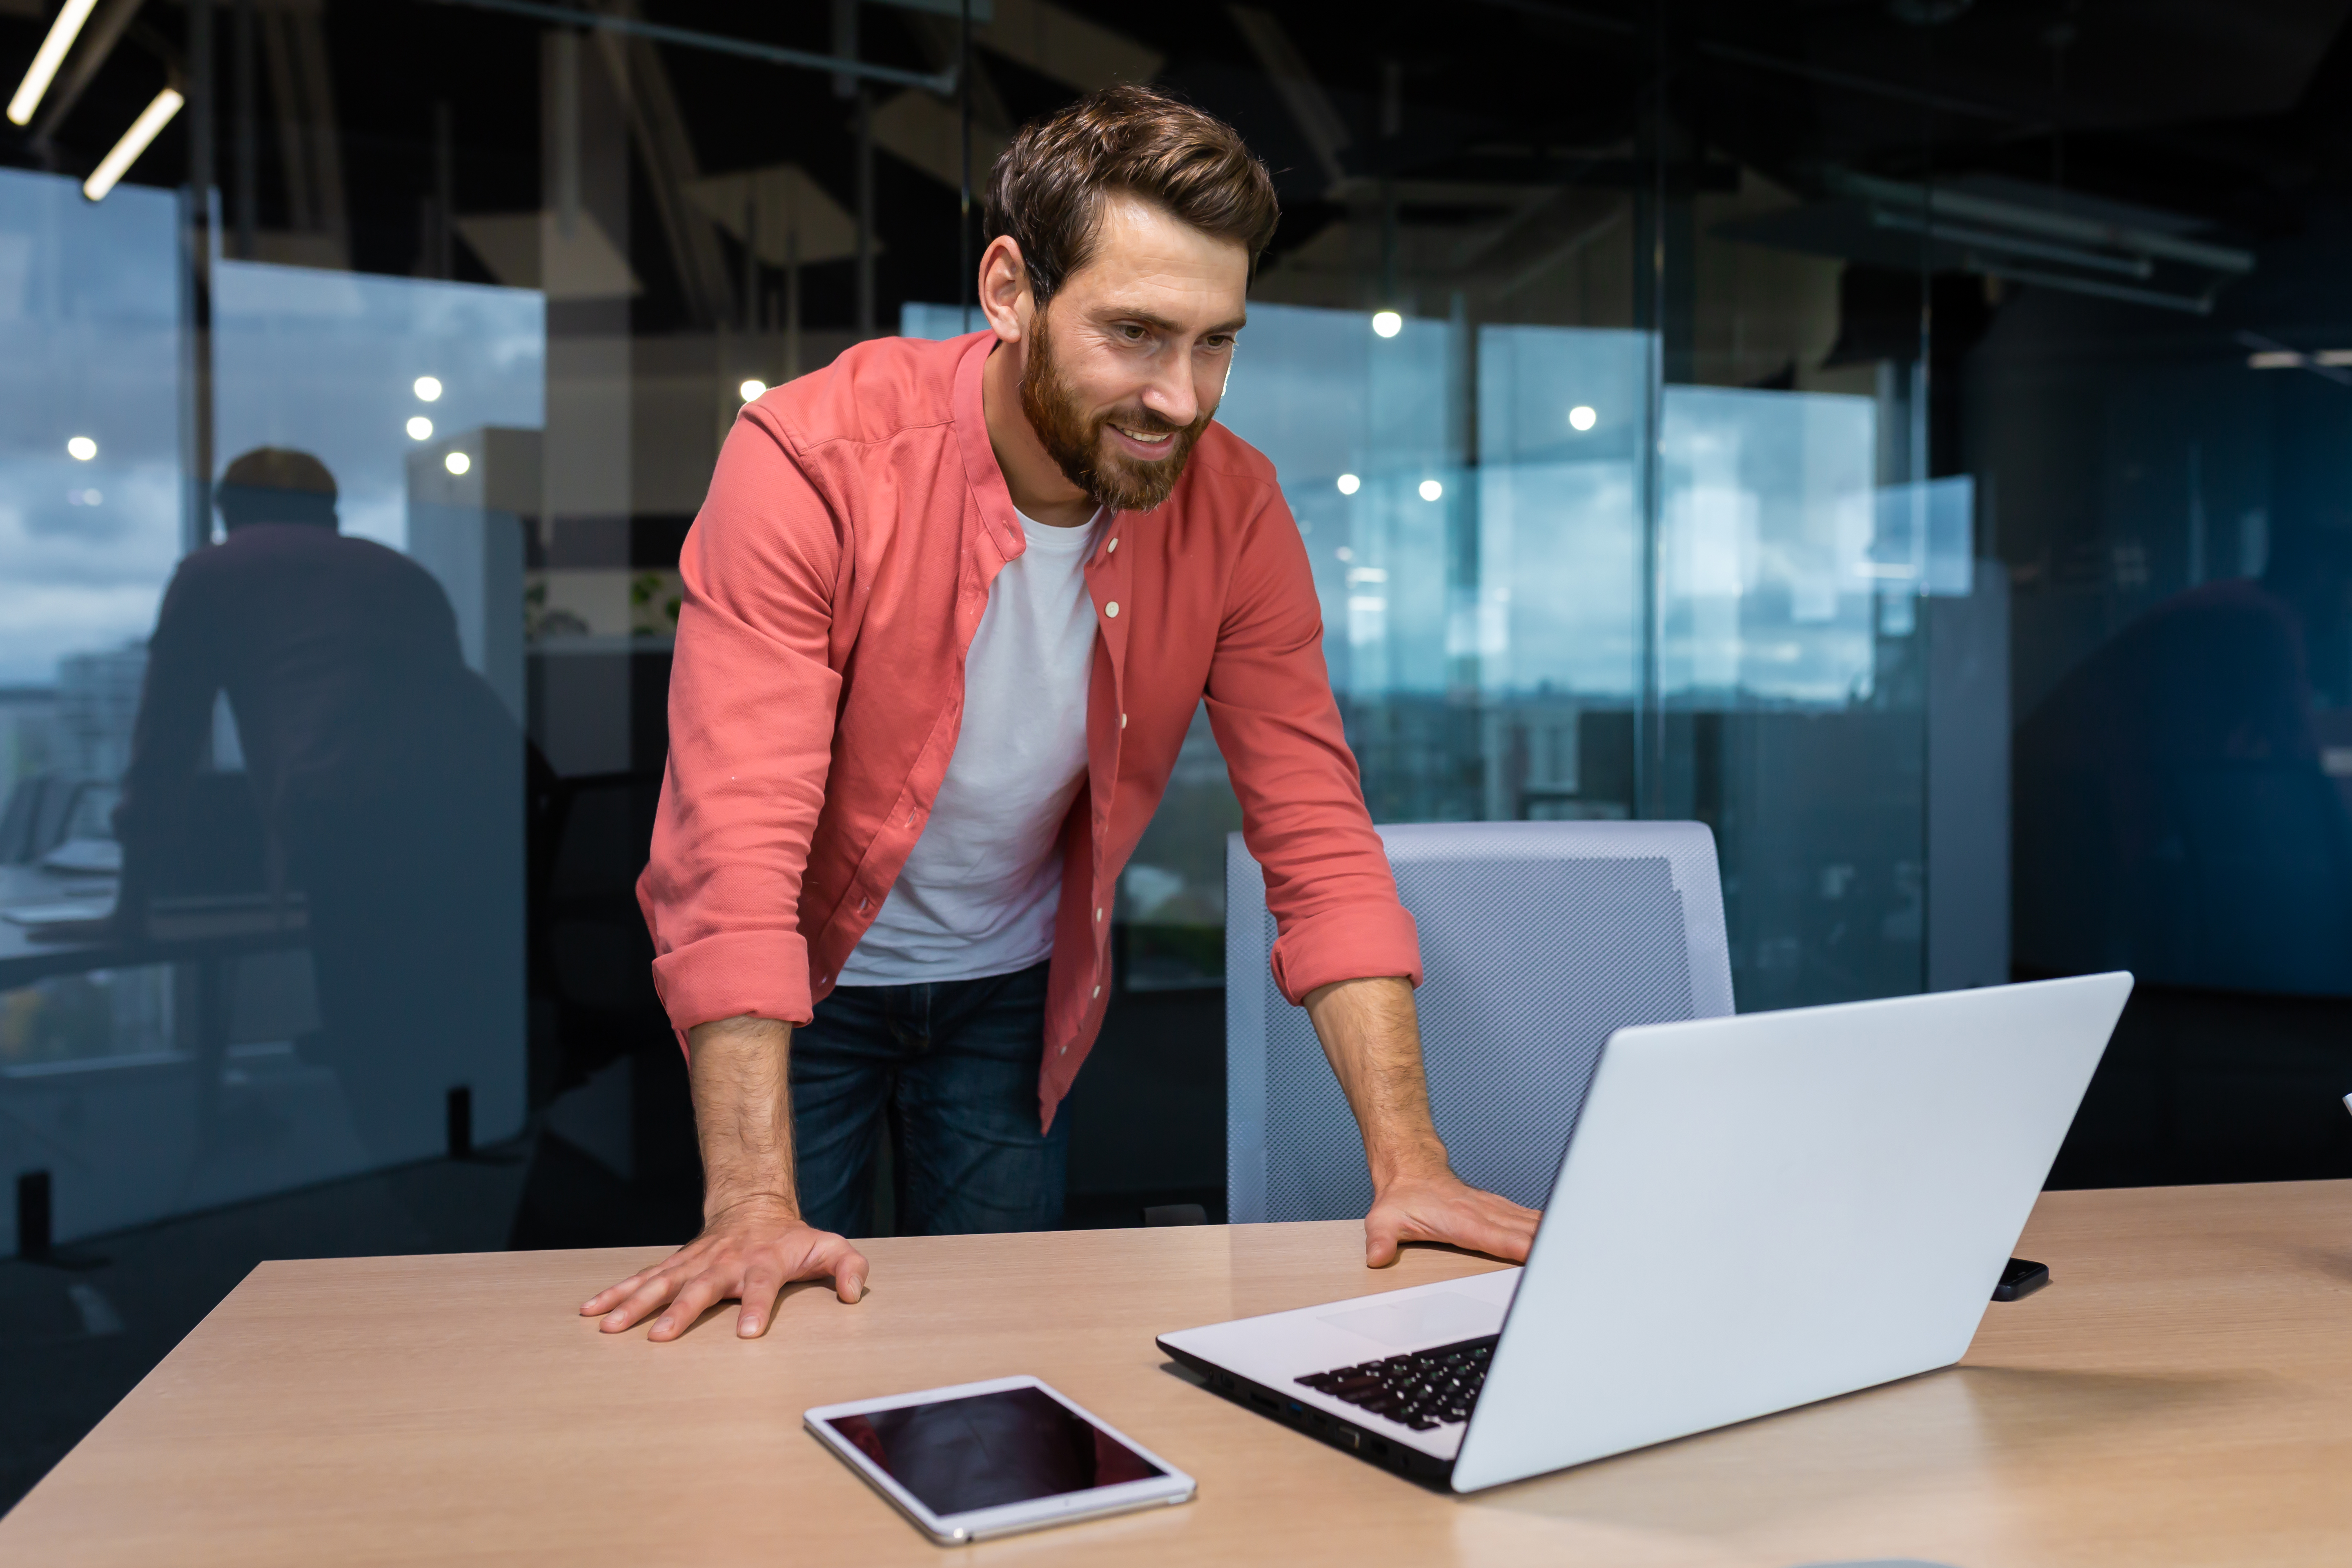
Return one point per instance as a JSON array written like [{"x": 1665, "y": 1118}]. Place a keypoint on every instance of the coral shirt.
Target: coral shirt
[{"x": 833, "y": 580}]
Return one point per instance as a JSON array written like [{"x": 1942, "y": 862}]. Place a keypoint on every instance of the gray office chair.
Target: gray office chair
[{"x": 1538, "y": 940}]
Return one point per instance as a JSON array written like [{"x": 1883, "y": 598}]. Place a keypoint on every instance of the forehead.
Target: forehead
[{"x": 1145, "y": 256}]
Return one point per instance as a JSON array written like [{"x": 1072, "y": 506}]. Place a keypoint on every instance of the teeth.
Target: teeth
[{"x": 1138, "y": 436}]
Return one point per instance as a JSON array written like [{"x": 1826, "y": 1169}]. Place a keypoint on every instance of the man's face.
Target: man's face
[{"x": 1127, "y": 362}]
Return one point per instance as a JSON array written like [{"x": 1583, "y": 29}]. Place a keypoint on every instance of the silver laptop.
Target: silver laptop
[{"x": 1753, "y": 1213}]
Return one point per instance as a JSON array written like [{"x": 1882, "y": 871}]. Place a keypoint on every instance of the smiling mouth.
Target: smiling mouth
[{"x": 1156, "y": 438}]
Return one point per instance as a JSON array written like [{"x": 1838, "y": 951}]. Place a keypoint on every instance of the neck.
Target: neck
[{"x": 1039, "y": 489}]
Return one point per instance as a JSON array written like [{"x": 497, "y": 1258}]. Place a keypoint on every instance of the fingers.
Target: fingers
[
  {"x": 648, "y": 1298},
  {"x": 698, "y": 1293},
  {"x": 606, "y": 1300},
  {"x": 849, "y": 1270},
  {"x": 719, "y": 1265},
  {"x": 761, "y": 1286},
  {"x": 1500, "y": 1227},
  {"x": 1453, "y": 1213},
  {"x": 831, "y": 1255}
]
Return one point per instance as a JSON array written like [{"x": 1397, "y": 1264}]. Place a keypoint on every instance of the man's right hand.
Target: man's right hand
[{"x": 747, "y": 1252}]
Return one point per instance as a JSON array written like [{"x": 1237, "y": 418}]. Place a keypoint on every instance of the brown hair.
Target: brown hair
[{"x": 1047, "y": 188}]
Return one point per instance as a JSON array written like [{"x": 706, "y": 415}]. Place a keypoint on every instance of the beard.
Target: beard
[{"x": 1079, "y": 443}]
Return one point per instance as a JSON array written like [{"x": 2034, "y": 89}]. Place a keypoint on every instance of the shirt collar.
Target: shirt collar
[{"x": 980, "y": 465}]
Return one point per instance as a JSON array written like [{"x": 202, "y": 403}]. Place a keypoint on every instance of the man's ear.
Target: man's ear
[{"x": 1004, "y": 294}]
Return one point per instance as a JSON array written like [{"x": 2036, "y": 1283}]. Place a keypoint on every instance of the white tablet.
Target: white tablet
[{"x": 988, "y": 1458}]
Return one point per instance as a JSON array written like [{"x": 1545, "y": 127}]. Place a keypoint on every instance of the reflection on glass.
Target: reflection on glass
[
  {"x": 1485, "y": 634},
  {"x": 375, "y": 813},
  {"x": 1765, "y": 531},
  {"x": 308, "y": 934}
]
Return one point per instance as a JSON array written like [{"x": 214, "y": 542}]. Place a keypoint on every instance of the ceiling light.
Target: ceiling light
[
  {"x": 752, "y": 390},
  {"x": 2276, "y": 359},
  {"x": 117, "y": 162},
  {"x": 428, "y": 389},
  {"x": 47, "y": 60},
  {"x": 456, "y": 462},
  {"x": 1431, "y": 490},
  {"x": 1388, "y": 323},
  {"x": 1349, "y": 484},
  {"x": 81, "y": 448},
  {"x": 420, "y": 428},
  {"x": 1582, "y": 418}
]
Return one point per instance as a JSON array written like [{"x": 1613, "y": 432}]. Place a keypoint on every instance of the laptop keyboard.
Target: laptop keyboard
[{"x": 1425, "y": 1389}]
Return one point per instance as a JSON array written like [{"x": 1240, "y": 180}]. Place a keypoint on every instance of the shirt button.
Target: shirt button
[
  {"x": 1122, "y": 721},
  {"x": 1064, "y": 1051},
  {"x": 1111, "y": 609},
  {"x": 1098, "y": 989},
  {"x": 1114, "y": 545},
  {"x": 1098, "y": 913}
]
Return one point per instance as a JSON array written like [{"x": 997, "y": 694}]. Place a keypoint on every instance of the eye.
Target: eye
[
  {"x": 1217, "y": 344},
  {"x": 1130, "y": 333}
]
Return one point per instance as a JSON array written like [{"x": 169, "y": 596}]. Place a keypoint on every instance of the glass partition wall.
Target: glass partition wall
[{"x": 1907, "y": 435}]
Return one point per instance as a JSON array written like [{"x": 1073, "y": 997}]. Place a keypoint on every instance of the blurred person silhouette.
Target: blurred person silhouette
[
  {"x": 385, "y": 776},
  {"x": 2172, "y": 813}
]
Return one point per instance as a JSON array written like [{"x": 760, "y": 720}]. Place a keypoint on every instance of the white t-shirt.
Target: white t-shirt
[{"x": 980, "y": 889}]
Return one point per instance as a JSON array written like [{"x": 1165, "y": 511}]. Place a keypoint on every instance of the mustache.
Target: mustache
[{"x": 1143, "y": 422}]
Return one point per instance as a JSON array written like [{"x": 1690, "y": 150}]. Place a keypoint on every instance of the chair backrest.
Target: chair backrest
[{"x": 1537, "y": 940}]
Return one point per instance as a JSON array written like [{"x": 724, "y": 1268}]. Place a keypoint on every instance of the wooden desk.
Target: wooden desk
[{"x": 2183, "y": 1394}]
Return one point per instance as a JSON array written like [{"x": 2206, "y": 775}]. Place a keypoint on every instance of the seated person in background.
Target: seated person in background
[
  {"x": 950, "y": 609},
  {"x": 2172, "y": 815},
  {"x": 386, "y": 775}
]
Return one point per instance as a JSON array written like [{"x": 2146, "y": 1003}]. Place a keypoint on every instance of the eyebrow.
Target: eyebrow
[{"x": 1151, "y": 320}]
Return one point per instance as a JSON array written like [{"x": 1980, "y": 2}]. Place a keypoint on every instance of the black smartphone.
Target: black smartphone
[{"x": 2022, "y": 1278}]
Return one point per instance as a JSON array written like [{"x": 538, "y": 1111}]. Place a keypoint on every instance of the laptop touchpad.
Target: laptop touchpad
[{"x": 1424, "y": 1319}]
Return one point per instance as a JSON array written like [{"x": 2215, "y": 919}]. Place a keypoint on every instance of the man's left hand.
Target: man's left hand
[{"x": 1443, "y": 1207}]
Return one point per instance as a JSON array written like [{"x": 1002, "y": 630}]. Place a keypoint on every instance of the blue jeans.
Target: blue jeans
[{"x": 952, "y": 1068}]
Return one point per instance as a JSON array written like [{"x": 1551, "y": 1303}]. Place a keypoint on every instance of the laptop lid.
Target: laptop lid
[{"x": 1758, "y": 1211}]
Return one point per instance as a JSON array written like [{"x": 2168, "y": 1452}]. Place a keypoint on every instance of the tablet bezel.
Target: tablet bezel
[{"x": 1005, "y": 1519}]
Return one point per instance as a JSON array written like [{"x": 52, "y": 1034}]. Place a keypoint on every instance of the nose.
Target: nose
[{"x": 1172, "y": 392}]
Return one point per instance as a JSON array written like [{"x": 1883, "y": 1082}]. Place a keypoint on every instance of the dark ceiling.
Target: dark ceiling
[{"x": 2235, "y": 111}]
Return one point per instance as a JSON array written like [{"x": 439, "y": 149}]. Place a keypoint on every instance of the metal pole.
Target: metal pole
[
  {"x": 445, "y": 191},
  {"x": 1649, "y": 711},
  {"x": 965, "y": 283},
  {"x": 791, "y": 294},
  {"x": 197, "y": 299},
  {"x": 864, "y": 212},
  {"x": 852, "y": 88},
  {"x": 751, "y": 257},
  {"x": 248, "y": 141}
]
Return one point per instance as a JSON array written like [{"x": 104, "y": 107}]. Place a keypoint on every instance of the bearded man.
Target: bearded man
[{"x": 949, "y": 610}]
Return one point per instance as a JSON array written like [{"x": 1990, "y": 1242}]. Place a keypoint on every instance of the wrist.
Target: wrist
[
  {"x": 750, "y": 1204},
  {"x": 1407, "y": 1159}
]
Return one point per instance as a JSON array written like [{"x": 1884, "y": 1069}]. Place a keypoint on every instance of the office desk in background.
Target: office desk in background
[{"x": 2183, "y": 1394}]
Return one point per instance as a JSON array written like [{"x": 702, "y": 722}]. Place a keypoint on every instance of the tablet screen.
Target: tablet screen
[{"x": 987, "y": 1449}]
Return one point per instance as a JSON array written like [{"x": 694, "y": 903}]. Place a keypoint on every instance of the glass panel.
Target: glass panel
[{"x": 1855, "y": 427}]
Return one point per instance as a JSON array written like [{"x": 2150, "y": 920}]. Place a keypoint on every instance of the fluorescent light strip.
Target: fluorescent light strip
[
  {"x": 2291, "y": 359},
  {"x": 51, "y": 55},
  {"x": 116, "y": 164}
]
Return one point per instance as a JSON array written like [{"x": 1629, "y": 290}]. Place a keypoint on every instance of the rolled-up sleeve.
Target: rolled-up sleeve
[
  {"x": 753, "y": 697},
  {"x": 1327, "y": 881}
]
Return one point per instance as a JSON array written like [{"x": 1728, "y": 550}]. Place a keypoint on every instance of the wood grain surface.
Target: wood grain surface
[{"x": 2182, "y": 1394}]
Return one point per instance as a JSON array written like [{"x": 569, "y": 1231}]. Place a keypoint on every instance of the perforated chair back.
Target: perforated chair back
[{"x": 1538, "y": 940}]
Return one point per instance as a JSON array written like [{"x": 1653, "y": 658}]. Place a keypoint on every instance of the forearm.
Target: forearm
[
  {"x": 742, "y": 1112},
  {"x": 1371, "y": 1034}
]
